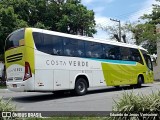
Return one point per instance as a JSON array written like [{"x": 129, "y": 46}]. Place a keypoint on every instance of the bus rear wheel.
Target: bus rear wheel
[{"x": 80, "y": 87}]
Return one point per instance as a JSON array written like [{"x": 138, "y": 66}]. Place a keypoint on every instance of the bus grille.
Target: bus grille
[{"x": 14, "y": 57}]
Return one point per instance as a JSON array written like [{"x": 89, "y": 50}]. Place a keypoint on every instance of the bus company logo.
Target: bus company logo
[
  {"x": 67, "y": 63},
  {"x": 6, "y": 114}
]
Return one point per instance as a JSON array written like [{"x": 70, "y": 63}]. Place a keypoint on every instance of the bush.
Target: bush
[
  {"x": 138, "y": 107},
  {"x": 6, "y": 105}
]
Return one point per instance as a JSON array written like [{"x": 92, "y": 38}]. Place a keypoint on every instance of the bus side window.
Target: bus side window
[
  {"x": 79, "y": 51},
  {"x": 89, "y": 54},
  {"x": 131, "y": 58},
  {"x": 55, "y": 52},
  {"x": 57, "y": 45},
  {"x": 48, "y": 43},
  {"x": 106, "y": 53},
  {"x": 70, "y": 47},
  {"x": 114, "y": 52},
  {"x": 93, "y": 49},
  {"x": 136, "y": 55},
  {"x": 68, "y": 52},
  {"x": 38, "y": 39},
  {"x": 125, "y": 53},
  {"x": 96, "y": 55},
  {"x": 118, "y": 57}
]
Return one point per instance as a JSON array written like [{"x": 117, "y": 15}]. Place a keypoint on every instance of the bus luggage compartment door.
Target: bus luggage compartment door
[
  {"x": 44, "y": 80},
  {"x": 61, "y": 79}
]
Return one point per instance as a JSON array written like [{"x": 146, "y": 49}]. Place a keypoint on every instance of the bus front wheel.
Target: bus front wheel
[
  {"x": 139, "y": 81},
  {"x": 80, "y": 87}
]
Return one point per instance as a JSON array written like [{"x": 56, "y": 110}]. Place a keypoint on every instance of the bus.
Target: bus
[{"x": 43, "y": 60}]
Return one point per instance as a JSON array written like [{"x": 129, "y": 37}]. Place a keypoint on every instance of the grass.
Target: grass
[
  {"x": 138, "y": 104},
  {"x": 6, "y": 105}
]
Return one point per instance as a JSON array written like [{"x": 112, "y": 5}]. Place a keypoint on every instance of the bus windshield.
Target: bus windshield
[
  {"x": 148, "y": 61},
  {"x": 16, "y": 39}
]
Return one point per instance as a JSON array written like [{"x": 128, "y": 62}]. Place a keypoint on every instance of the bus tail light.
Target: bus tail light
[{"x": 27, "y": 73}]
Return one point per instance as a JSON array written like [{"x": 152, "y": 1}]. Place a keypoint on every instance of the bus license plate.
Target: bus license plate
[{"x": 14, "y": 85}]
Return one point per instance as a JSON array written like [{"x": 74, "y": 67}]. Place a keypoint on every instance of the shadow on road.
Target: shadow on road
[
  {"x": 50, "y": 96},
  {"x": 113, "y": 89}
]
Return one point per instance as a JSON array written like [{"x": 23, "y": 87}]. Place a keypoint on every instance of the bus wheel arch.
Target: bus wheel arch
[{"x": 81, "y": 85}]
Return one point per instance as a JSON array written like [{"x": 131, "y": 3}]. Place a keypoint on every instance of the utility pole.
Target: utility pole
[{"x": 119, "y": 27}]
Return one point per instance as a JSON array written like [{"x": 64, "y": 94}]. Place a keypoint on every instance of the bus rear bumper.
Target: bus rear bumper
[
  {"x": 22, "y": 86},
  {"x": 17, "y": 87}
]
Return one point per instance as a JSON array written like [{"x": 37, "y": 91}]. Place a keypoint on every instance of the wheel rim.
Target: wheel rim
[{"x": 81, "y": 87}]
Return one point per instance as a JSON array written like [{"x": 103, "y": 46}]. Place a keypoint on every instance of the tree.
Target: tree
[
  {"x": 145, "y": 33},
  {"x": 154, "y": 17},
  {"x": 113, "y": 31},
  {"x": 146, "y": 36},
  {"x": 8, "y": 22},
  {"x": 76, "y": 19},
  {"x": 68, "y": 16}
]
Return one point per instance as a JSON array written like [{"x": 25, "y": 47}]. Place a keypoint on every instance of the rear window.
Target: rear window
[{"x": 15, "y": 39}]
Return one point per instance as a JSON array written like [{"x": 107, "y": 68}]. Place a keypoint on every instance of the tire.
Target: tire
[
  {"x": 139, "y": 82},
  {"x": 80, "y": 87}
]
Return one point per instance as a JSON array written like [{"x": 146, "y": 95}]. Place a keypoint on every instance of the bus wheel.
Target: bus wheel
[
  {"x": 139, "y": 82},
  {"x": 80, "y": 87}
]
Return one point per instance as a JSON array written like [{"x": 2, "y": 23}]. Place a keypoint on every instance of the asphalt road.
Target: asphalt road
[{"x": 95, "y": 100}]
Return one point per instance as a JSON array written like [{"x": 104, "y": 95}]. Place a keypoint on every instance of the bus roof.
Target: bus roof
[{"x": 88, "y": 38}]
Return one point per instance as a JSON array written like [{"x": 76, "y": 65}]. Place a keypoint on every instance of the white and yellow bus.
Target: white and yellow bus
[{"x": 43, "y": 60}]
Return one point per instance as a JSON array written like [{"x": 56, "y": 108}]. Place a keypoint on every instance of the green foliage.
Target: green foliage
[
  {"x": 68, "y": 16},
  {"x": 40, "y": 25},
  {"x": 153, "y": 18},
  {"x": 132, "y": 103},
  {"x": 76, "y": 19},
  {"x": 113, "y": 31},
  {"x": 6, "y": 105},
  {"x": 146, "y": 32},
  {"x": 146, "y": 36},
  {"x": 9, "y": 22}
]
